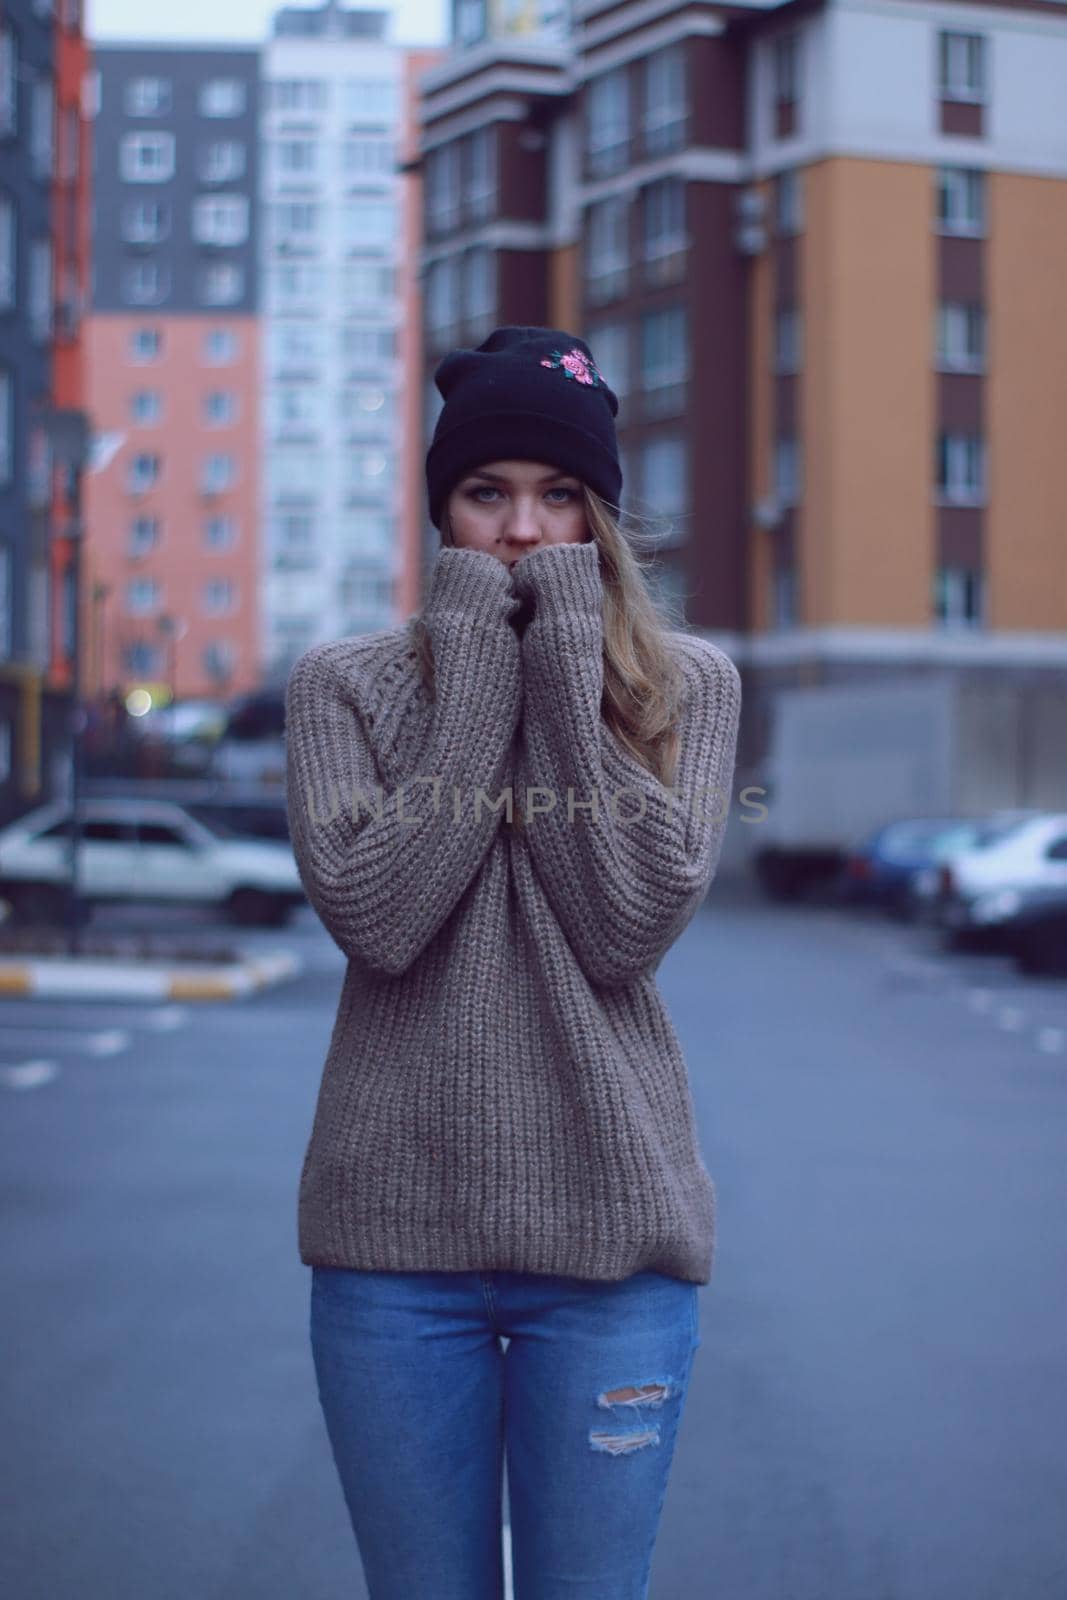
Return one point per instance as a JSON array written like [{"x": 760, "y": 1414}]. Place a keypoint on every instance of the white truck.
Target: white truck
[{"x": 844, "y": 759}]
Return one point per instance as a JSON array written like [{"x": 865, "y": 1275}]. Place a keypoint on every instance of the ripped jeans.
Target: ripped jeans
[{"x": 423, "y": 1404}]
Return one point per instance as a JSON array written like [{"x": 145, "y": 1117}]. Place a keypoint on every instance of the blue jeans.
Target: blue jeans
[{"x": 423, "y": 1404}]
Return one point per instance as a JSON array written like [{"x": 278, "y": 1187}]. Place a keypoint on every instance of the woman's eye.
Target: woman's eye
[{"x": 486, "y": 488}]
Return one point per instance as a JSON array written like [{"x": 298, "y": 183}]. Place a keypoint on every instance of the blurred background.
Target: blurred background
[{"x": 819, "y": 249}]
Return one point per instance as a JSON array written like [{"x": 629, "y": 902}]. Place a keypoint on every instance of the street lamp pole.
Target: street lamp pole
[{"x": 69, "y": 434}]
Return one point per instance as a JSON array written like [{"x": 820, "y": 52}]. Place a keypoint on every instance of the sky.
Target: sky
[{"x": 415, "y": 22}]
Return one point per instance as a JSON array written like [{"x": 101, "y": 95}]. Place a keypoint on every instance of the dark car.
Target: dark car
[{"x": 881, "y": 871}]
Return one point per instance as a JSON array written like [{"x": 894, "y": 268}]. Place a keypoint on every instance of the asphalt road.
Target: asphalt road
[{"x": 878, "y": 1409}]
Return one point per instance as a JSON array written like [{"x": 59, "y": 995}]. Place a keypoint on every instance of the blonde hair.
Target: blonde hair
[{"x": 643, "y": 682}]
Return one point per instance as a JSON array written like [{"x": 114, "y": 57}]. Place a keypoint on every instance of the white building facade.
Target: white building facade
[{"x": 332, "y": 380}]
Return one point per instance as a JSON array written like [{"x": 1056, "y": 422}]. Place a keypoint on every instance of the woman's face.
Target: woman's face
[{"x": 511, "y": 507}]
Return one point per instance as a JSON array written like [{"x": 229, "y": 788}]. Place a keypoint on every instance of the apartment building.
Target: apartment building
[
  {"x": 817, "y": 249},
  {"x": 44, "y": 183},
  {"x": 333, "y": 383},
  {"x": 173, "y": 362}
]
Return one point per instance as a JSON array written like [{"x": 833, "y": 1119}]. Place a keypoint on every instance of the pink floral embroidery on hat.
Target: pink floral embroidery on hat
[{"x": 575, "y": 364}]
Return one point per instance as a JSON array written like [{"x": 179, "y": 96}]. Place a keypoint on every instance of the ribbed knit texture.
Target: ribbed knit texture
[{"x": 503, "y": 1087}]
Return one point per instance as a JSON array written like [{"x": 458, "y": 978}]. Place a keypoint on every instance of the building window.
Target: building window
[
  {"x": 787, "y": 339},
  {"x": 607, "y": 249},
  {"x": 146, "y": 283},
  {"x": 219, "y": 659},
  {"x": 5, "y": 602},
  {"x": 785, "y": 70},
  {"x": 367, "y": 156},
  {"x": 143, "y": 535},
  {"x": 610, "y": 344},
  {"x": 960, "y": 337},
  {"x": 6, "y": 422},
  {"x": 8, "y": 253},
  {"x": 786, "y": 472},
  {"x": 789, "y": 201},
  {"x": 42, "y": 128},
  {"x": 664, "y": 240},
  {"x": 296, "y": 158},
  {"x": 296, "y": 408},
  {"x": 146, "y": 157},
  {"x": 219, "y": 596},
  {"x": 959, "y": 596},
  {"x": 146, "y": 344},
  {"x": 148, "y": 97},
  {"x": 217, "y": 474},
  {"x": 220, "y": 219},
  {"x": 142, "y": 659},
  {"x": 480, "y": 188},
  {"x": 146, "y": 407},
  {"x": 784, "y": 610},
  {"x": 9, "y": 79},
  {"x": 145, "y": 222},
  {"x": 143, "y": 595},
  {"x": 479, "y": 292},
  {"x": 222, "y": 284},
  {"x": 367, "y": 469},
  {"x": 222, "y": 97},
  {"x": 442, "y": 300},
  {"x": 144, "y": 472},
  {"x": 220, "y": 347},
  {"x": 443, "y": 197},
  {"x": 295, "y": 222},
  {"x": 608, "y": 122},
  {"x": 298, "y": 285},
  {"x": 39, "y": 467},
  {"x": 219, "y": 408},
  {"x": 298, "y": 94},
  {"x": 664, "y": 470},
  {"x": 373, "y": 100},
  {"x": 960, "y": 469},
  {"x": 222, "y": 161},
  {"x": 664, "y": 359},
  {"x": 666, "y": 105},
  {"x": 962, "y": 66},
  {"x": 367, "y": 349},
  {"x": 219, "y": 533},
  {"x": 367, "y": 283},
  {"x": 368, "y": 224},
  {"x": 961, "y": 200}
]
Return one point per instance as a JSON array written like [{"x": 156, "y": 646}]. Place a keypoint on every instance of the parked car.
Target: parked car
[
  {"x": 882, "y": 871},
  {"x": 926, "y": 883},
  {"x": 1027, "y": 853},
  {"x": 1037, "y": 931},
  {"x": 1030, "y": 924},
  {"x": 243, "y": 810},
  {"x": 145, "y": 851}
]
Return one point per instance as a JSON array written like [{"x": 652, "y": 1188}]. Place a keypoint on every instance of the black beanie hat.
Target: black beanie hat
[{"x": 525, "y": 394}]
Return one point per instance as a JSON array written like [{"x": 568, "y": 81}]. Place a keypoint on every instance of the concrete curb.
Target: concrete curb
[{"x": 56, "y": 977}]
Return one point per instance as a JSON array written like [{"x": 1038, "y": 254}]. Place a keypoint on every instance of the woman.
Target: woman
[{"x": 503, "y": 1147}]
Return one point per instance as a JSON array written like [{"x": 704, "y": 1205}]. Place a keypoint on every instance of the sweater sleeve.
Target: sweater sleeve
[
  {"x": 384, "y": 868},
  {"x": 624, "y": 879}
]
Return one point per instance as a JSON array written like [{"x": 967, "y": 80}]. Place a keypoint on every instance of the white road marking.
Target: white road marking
[
  {"x": 104, "y": 1042},
  {"x": 1011, "y": 1018},
  {"x": 1050, "y": 1040},
  {"x": 28, "y": 1074},
  {"x": 108, "y": 1043}
]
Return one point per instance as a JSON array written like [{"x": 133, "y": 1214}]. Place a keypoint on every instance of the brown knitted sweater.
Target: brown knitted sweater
[{"x": 503, "y": 1087}]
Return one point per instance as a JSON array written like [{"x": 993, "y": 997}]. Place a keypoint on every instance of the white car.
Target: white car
[
  {"x": 144, "y": 851},
  {"x": 980, "y": 886}
]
